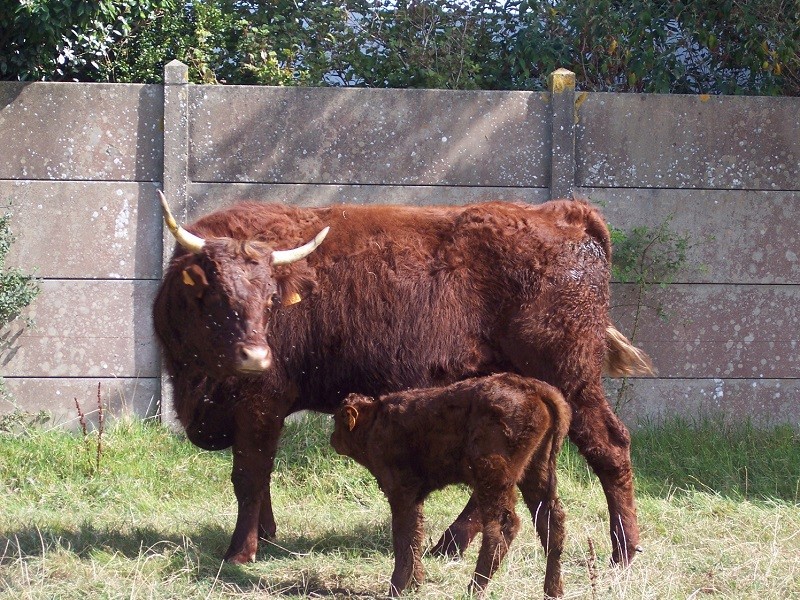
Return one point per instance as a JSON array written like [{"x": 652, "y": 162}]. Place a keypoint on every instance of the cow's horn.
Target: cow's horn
[
  {"x": 191, "y": 242},
  {"x": 286, "y": 257}
]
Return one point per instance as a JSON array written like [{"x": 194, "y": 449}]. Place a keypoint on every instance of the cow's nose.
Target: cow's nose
[{"x": 254, "y": 358}]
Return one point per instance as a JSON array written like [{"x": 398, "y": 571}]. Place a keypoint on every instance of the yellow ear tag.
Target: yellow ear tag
[
  {"x": 294, "y": 298},
  {"x": 187, "y": 279}
]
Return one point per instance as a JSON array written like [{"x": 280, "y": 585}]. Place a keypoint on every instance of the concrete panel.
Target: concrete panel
[
  {"x": 81, "y": 131},
  {"x": 741, "y": 237},
  {"x": 719, "y": 331},
  {"x": 665, "y": 141},
  {"x": 56, "y": 396},
  {"x": 84, "y": 329},
  {"x": 85, "y": 229},
  {"x": 362, "y": 136},
  {"x": 206, "y": 197},
  {"x": 765, "y": 402}
]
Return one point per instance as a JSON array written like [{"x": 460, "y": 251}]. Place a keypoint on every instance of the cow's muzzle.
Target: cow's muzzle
[{"x": 253, "y": 359}]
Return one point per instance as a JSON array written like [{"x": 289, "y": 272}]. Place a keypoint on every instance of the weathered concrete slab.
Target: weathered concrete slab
[
  {"x": 368, "y": 136},
  {"x": 735, "y": 236},
  {"x": 672, "y": 141},
  {"x": 730, "y": 342},
  {"x": 765, "y": 402},
  {"x": 206, "y": 197},
  {"x": 81, "y": 131},
  {"x": 85, "y": 229},
  {"x": 719, "y": 331},
  {"x": 84, "y": 329},
  {"x": 119, "y": 396}
]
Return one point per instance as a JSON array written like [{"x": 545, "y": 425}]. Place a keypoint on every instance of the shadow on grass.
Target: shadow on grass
[
  {"x": 733, "y": 460},
  {"x": 201, "y": 551}
]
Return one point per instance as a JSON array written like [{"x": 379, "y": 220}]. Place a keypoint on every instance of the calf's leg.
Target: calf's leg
[
  {"x": 407, "y": 535},
  {"x": 266, "y": 518},
  {"x": 538, "y": 488},
  {"x": 500, "y": 527}
]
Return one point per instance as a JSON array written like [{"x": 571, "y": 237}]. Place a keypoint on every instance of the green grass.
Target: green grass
[{"x": 719, "y": 507}]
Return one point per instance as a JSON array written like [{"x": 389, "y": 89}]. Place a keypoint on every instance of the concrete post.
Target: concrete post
[
  {"x": 175, "y": 181},
  {"x": 176, "y": 141},
  {"x": 562, "y": 110}
]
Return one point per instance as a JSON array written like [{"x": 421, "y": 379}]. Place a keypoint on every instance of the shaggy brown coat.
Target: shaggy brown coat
[
  {"x": 492, "y": 433},
  {"x": 395, "y": 298}
]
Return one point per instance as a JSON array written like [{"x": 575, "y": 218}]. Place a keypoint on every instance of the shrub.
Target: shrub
[
  {"x": 17, "y": 289},
  {"x": 684, "y": 46}
]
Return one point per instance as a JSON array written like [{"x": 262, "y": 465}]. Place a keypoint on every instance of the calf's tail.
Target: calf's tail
[
  {"x": 561, "y": 415},
  {"x": 623, "y": 359}
]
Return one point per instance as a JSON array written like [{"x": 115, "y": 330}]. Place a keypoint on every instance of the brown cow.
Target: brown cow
[
  {"x": 492, "y": 433},
  {"x": 395, "y": 298}
]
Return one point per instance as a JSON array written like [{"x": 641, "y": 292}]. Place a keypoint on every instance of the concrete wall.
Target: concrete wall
[
  {"x": 728, "y": 169},
  {"x": 81, "y": 162}
]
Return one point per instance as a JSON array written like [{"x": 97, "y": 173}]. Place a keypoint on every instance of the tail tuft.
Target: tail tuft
[{"x": 623, "y": 359}]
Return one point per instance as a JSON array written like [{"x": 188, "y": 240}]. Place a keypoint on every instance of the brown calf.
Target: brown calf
[{"x": 492, "y": 433}]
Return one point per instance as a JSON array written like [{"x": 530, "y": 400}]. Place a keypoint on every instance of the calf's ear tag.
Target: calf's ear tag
[
  {"x": 293, "y": 298},
  {"x": 187, "y": 279}
]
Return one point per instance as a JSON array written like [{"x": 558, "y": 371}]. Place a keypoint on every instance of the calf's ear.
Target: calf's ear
[{"x": 352, "y": 416}]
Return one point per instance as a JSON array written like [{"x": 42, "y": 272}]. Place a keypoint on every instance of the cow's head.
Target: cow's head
[
  {"x": 228, "y": 292},
  {"x": 352, "y": 423}
]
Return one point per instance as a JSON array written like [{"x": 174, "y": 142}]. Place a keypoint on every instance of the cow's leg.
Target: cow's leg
[
  {"x": 538, "y": 489},
  {"x": 500, "y": 527},
  {"x": 461, "y": 532},
  {"x": 253, "y": 457},
  {"x": 407, "y": 535},
  {"x": 605, "y": 443}
]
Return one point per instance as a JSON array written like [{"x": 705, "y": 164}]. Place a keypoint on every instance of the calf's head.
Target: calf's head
[
  {"x": 352, "y": 423},
  {"x": 226, "y": 294}
]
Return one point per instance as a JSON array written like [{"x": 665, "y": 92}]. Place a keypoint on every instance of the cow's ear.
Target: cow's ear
[
  {"x": 294, "y": 288},
  {"x": 194, "y": 279},
  {"x": 352, "y": 416}
]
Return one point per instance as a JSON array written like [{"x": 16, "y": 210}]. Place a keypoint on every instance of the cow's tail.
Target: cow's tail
[{"x": 623, "y": 359}]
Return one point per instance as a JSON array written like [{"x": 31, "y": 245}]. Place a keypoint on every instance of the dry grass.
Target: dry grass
[{"x": 718, "y": 507}]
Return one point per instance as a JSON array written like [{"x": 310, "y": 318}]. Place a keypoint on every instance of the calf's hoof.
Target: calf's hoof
[
  {"x": 624, "y": 557},
  {"x": 553, "y": 591}
]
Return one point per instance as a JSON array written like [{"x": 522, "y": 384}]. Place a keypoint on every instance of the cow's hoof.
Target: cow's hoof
[
  {"x": 448, "y": 546},
  {"x": 241, "y": 558}
]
